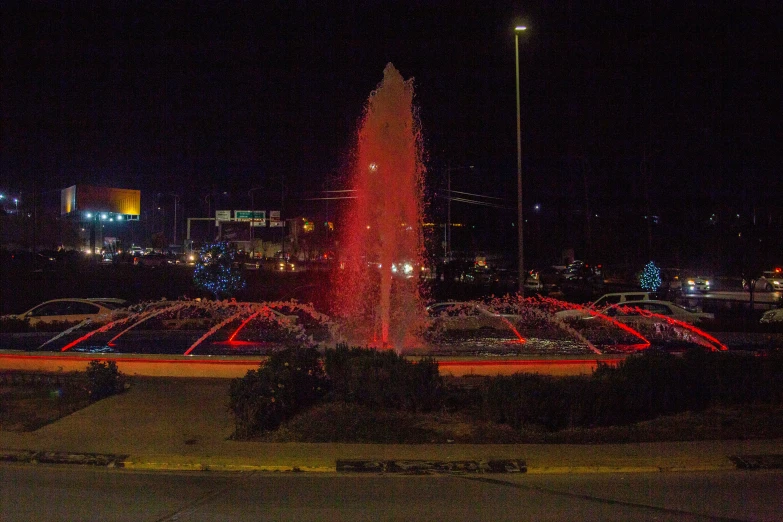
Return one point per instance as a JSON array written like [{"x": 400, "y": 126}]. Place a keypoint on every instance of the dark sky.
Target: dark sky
[{"x": 191, "y": 97}]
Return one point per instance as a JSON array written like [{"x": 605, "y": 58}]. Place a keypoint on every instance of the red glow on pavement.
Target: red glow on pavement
[{"x": 531, "y": 362}]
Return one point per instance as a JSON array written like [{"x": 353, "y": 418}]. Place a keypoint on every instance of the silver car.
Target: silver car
[
  {"x": 646, "y": 312},
  {"x": 770, "y": 281},
  {"x": 71, "y": 311}
]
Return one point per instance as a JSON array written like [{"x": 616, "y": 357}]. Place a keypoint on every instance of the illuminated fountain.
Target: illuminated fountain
[
  {"x": 376, "y": 292},
  {"x": 526, "y": 327},
  {"x": 221, "y": 326},
  {"x": 377, "y": 300}
]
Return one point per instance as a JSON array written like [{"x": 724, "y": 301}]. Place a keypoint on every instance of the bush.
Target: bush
[
  {"x": 553, "y": 402},
  {"x": 289, "y": 382},
  {"x": 103, "y": 380},
  {"x": 641, "y": 387},
  {"x": 383, "y": 379}
]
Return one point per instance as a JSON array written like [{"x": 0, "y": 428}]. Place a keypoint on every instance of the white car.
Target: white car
[
  {"x": 772, "y": 316},
  {"x": 70, "y": 310},
  {"x": 457, "y": 315},
  {"x": 602, "y": 303},
  {"x": 770, "y": 281},
  {"x": 691, "y": 285},
  {"x": 642, "y": 312}
]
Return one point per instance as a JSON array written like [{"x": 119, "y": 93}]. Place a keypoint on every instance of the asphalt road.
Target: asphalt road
[{"x": 70, "y": 493}]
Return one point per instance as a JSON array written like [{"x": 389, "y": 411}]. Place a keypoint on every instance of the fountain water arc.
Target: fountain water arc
[{"x": 384, "y": 224}]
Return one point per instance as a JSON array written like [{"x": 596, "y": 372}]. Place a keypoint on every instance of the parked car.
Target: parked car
[
  {"x": 602, "y": 303},
  {"x": 633, "y": 312},
  {"x": 153, "y": 260},
  {"x": 772, "y": 316},
  {"x": 458, "y": 315},
  {"x": 70, "y": 310}
]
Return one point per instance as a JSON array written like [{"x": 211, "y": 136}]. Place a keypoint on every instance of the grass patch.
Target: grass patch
[
  {"x": 29, "y": 407},
  {"x": 29, "y": 401}
]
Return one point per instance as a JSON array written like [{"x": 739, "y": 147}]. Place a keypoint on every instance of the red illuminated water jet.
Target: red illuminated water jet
[
  {"x": 384, "y": 225},
  {"x": 716, "y": 344},
  {"x": 571, "y": 306}
]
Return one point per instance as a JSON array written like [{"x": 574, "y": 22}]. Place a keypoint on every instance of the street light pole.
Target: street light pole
[
  {"x": 520, "y": 222},
  {"x": 176, "y": 200},
  {"x": 253, "y": 219}
]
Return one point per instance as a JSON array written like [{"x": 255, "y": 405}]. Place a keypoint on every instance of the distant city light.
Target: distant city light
[{"x": 88, "y": 215}]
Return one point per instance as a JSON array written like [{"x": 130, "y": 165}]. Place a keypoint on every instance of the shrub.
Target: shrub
[
  {"x": 641, "y": 387},
  {"x": 553, "y": 402},
  {"x": 103, "y": 380},
  {"x": 383, "y": 379},
  {"x": 290, "y": 381}
]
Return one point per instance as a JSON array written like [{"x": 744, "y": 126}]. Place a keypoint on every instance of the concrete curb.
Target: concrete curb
[
  {"x": 567, "y": 470},
  {"x": 420, "y": 466},
  {"x": 219, "y": 467},
  {"x": 56, "y": 457},
  {"x": 393, "y": 466}
]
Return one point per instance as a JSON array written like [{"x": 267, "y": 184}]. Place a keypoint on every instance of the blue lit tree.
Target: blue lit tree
[
  {"x": 650, "y": 278},
  {"x": 215, "y": 271}
]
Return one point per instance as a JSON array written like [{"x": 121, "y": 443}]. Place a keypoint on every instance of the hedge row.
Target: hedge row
[{"x": 641, "y": 387}]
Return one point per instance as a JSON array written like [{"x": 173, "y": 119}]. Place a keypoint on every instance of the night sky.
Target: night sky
[{"x": 624, "y": 104}]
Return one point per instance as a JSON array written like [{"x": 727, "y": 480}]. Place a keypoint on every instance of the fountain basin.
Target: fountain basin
[{"x": 202, "y": 366}]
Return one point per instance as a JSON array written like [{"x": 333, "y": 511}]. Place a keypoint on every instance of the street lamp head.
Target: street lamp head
[{"x": 520, "y": 28}]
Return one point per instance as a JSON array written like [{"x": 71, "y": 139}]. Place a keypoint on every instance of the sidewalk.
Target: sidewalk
[{"x": 184, "y": 424}]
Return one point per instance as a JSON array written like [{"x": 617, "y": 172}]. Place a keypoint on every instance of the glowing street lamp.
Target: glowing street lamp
[{"x": 520, "y": 223}]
